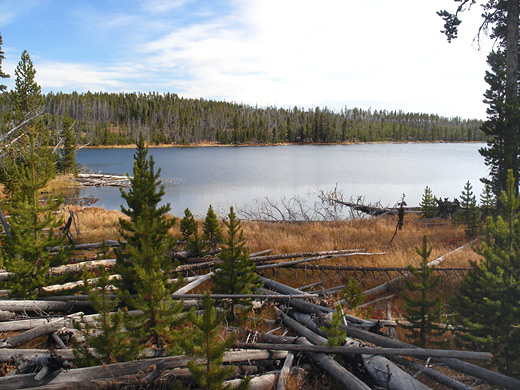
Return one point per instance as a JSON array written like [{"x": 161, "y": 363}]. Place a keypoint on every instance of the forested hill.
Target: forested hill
[{"x": 117, "y": 118}]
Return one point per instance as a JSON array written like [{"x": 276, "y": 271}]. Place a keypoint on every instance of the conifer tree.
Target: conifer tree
[
  {"x": 190, "y": 232},
  {"x": 27, "y": 170},
  {"x": 67, "y": 162},
  {"x": 469, "y": 214},
  {"x": 488, "y": 204},
  {"x": 2, "y": 74},
  {"x": 28, "y": 96},
  {"x": 212, "y": 233},
  {"x": 204, "y": 343},
  {"x": 105, "y": 335},
  {"x": 335, "y": 335},
  {"x": 236, "y": 274},
  {"x": 142, "y": 260},
  {"x": 422, "y": 310},
  {"x": 487, "y": 304},
  {"x": 428, "y": 204}
]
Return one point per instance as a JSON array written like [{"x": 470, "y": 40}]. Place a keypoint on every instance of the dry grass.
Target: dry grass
[{"x": 371, "y": 234}]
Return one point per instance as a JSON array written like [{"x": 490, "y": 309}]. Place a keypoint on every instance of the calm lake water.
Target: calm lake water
[{"x": 244, "y": 176}]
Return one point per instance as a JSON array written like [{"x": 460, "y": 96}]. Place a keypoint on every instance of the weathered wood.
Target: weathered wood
[
  {"x": 262, "y": 382},
  {"x": 333, "y": 368},
  {"x": 31, "y": 334},
  {"x": 303, "y": 254},
  {"x": 388, "y": 376},
  {"x": 317, "y": 258},
  {"x": 488, "y": 376},
  {"x": 102, "y": 180},
  {"x": 244, "y": 296},
  {"x": 416, "y": 352},
  {"x": 116, "y": 370},
  {"x": 6, "y": 315},
  {"x": 384, "y": 286},
  {"x": 284, "y": 372},
  {"x": 39, "y": 306},
  {"x": 435, "y": 375},
  {"x": 200, "y": 280}
]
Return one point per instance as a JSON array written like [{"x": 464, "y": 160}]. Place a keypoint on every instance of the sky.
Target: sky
[{"x": 376, "y": 54}]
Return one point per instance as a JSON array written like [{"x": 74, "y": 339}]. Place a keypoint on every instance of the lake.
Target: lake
[{"x": 245, "y": 176}]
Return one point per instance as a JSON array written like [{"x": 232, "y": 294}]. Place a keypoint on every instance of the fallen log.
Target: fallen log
[
  {"x": 435, "y": 375},
  {"x": 39, "y": 306},
  {"x": 383, "y": 287},
  {"x": 308, "y": 259},
  {"x": 118, "y": 370},
  {"x": 6, "y": 315},
  {"x": 284, "y": 372},
  {"x": 488, "y": 376},
  {"x": 388, "y": 376},
  {"x": 415, "y": 352},
  {"x": 31, "y": 334},
  {"x": 333, "y": 368},
  {"x": 303, "y": 254}
]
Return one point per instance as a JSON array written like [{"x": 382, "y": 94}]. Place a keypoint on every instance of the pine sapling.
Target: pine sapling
[
  {"x": 106, "y": 340},
  {"x": 236, "y": 274},
  {"x": 204, "y": 343},
  {"x": 212, "y": 233},
  {"x": 423, "y": 311},
  {"x": 190, "y": 233}
]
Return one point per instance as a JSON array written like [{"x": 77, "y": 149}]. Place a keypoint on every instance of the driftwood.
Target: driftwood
[
  {"x": 102, "y": 180},
  {"x": 386, "y": 285},
  {"x": 373, "y": 210},
  {"x": 118, "y": 370}
]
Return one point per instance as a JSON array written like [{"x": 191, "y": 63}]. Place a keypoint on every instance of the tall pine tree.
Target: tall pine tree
[
  {"x": 487, "y": 304},
  {"x": 142, "y": 260},
  {"x": 236, "y": 274},
  {"x": 190, "y": 233},
  {"x": 469, "y": 214},
  {"x": 27, "y": 169}
]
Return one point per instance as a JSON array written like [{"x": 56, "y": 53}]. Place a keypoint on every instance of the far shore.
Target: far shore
[{"x": 215, "y": 145}]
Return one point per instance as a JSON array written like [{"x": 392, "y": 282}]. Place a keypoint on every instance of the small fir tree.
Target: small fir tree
[
  {"x": 423, "y": 311},
  {"x": 67, "y": 161},
  {"x": 428, "y": 204},
  {"x": 106, "y": 340},
  {"x": 469, "y": 214},
  {"x": 190, "y": 233},
  {"x": 212, "y": 233},
  {"x": 488, "y": 203},
  {"x": 204, "y": 343},
  {"x": 236, "y": 274},
  {"x": 142, "y": 260},
  {"x": 2, "y": 74},
  {"x": 487, "y": 304},
  {"x": 336, "y": 336}
]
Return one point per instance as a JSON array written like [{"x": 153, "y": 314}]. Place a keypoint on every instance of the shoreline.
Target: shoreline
[{"x": 217, "y": 145}]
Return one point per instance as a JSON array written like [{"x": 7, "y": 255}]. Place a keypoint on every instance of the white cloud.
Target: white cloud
[{"x": 306, "y": 53}]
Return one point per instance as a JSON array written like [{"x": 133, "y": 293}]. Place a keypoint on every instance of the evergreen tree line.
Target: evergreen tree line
[{"x": 118, "y": 118}]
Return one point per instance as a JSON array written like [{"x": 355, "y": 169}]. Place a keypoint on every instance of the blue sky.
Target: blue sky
[{"x": 329, "y": 53}]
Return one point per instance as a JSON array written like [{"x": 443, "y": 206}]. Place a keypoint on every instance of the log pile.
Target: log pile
[
  {"x": 372, "y": 357},
  {"x": 102, "y": 180}
]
